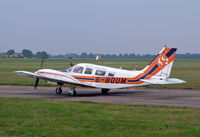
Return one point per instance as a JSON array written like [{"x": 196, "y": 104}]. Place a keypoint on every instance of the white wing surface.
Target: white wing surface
[
  {"x": 50, "y": 75},
  {"x": 163, "y": 81}
]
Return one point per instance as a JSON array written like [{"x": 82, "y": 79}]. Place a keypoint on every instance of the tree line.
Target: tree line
[
  {"x": 122, "y": 56},
  {"x": 27, "y": 54},
  {"x": 42, "y": 54}
]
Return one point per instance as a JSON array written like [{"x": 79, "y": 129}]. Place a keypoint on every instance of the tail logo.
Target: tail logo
[{"x": 162, "y": 61}]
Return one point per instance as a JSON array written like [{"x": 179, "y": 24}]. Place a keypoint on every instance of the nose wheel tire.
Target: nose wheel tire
[
  {"x": 104, "y": 91},
  {"x": 58, "y": 90}
]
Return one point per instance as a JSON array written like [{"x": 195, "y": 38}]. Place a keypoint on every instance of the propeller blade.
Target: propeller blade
[
  {"x": 71, "y": 64},
  {"x": 36, "y": 83},
  {"x": 41, "y": 64}
]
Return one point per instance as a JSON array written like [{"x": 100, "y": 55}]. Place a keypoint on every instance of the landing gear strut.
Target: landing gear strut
[
  {"x": 72, "y": 91},
  {"x": 104, "y": 91},
  {"x": 58, "y": 90}
]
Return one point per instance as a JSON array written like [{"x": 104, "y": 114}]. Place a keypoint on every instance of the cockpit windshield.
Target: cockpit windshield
[
  {"x": 69, "y": 69},
  {"x": 78, "y": 69}
]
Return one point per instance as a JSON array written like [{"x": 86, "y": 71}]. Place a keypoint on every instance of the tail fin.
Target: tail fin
[{"x": 161, "y": 65}]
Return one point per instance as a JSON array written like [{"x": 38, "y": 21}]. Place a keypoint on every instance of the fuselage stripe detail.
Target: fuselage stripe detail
[
  {"x": 50, "y": 73},
  {"x": 145, "y": 75},
  {"x": 170, "y": 52},
  {"x": 84, "y": 78}
]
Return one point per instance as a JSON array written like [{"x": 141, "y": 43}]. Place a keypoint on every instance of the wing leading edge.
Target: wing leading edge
[{"x": 26, "y": 74}]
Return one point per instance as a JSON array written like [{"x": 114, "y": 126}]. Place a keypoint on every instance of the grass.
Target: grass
[
  {"x": 188, "y": 70},
  {"x": 35, "y": 117}
]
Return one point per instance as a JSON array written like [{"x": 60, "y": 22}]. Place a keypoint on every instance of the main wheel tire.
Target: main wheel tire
[
  {"x": 73, "y": 93},
  {"x": 104, "y": 91},
  {"x": 58, "y": 90}
]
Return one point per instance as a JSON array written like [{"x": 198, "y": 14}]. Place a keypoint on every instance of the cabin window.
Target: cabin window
[
  {"x": 88, "y": 71},
  {"x": 111, "y": 74},
  {"x": 100, "y": 73},
  {"x": 78, "y": 69}
]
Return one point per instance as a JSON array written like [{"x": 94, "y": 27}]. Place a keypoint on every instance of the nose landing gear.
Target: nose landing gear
[{"x": 58, "y": 90}]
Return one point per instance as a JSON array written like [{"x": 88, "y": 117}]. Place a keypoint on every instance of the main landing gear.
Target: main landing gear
[
  {"x": 104, "y": 91},
  {"x": 72, "y": 91}
]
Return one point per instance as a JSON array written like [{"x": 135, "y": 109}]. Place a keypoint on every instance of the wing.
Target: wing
[
  {"x": 53, "y": 76},
  {"x": 26, "y": 74}
]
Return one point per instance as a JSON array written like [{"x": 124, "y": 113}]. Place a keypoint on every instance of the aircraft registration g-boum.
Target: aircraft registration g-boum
[{"x": 106, "y": 78}]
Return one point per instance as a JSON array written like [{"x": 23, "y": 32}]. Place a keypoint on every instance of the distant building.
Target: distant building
[
  {"x": 4, "y": 56},
  {"x": 15, "y": 55},
  {"x": 98, "y": 57}
]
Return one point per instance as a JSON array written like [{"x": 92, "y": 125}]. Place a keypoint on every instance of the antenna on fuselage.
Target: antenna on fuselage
[{"x": 134, "y": 68}]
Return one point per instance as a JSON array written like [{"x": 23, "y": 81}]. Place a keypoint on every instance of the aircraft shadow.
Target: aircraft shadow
[
  {"x": 112, "y": 93},
  {"x": 85, "y": 93}
]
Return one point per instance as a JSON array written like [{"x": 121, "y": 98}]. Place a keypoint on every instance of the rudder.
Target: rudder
[{"x": 162, "y": 64}]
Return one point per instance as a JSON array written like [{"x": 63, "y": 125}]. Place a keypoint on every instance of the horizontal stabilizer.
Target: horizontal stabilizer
[
  {"x": 164, "y": 81},
  {"x": 26, "y": 74}
]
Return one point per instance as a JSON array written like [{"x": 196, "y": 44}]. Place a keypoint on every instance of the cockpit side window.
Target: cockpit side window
[
  {"x": 78, "y": 69},
  {"x": 100, "y": 72},
  {"x": 111, "y": 74},
  {"x": 88, "y": 71}
]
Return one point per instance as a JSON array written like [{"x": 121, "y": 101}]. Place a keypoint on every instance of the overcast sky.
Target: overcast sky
[{"x": 100, "y": 26}]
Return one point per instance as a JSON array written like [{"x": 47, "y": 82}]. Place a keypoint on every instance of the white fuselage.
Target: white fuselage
[{"x": 107, "y": 77}]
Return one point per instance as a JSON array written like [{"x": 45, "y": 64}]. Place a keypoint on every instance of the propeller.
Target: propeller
[
  {"x": 71, "y": 64},
  {"x": 37, "y": 79},
  {"x": 36, "y": 83},
  {"x": 41, "y": 64}
]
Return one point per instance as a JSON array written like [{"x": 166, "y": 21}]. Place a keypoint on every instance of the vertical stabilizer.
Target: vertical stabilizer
[{"x": 162, "y": 64}]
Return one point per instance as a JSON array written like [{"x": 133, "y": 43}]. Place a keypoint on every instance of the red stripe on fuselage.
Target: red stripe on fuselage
[{"x": 55, "y": 74}]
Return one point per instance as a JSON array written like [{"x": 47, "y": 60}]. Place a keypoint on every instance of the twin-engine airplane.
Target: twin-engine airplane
[{"x": 106, "y": 78}]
